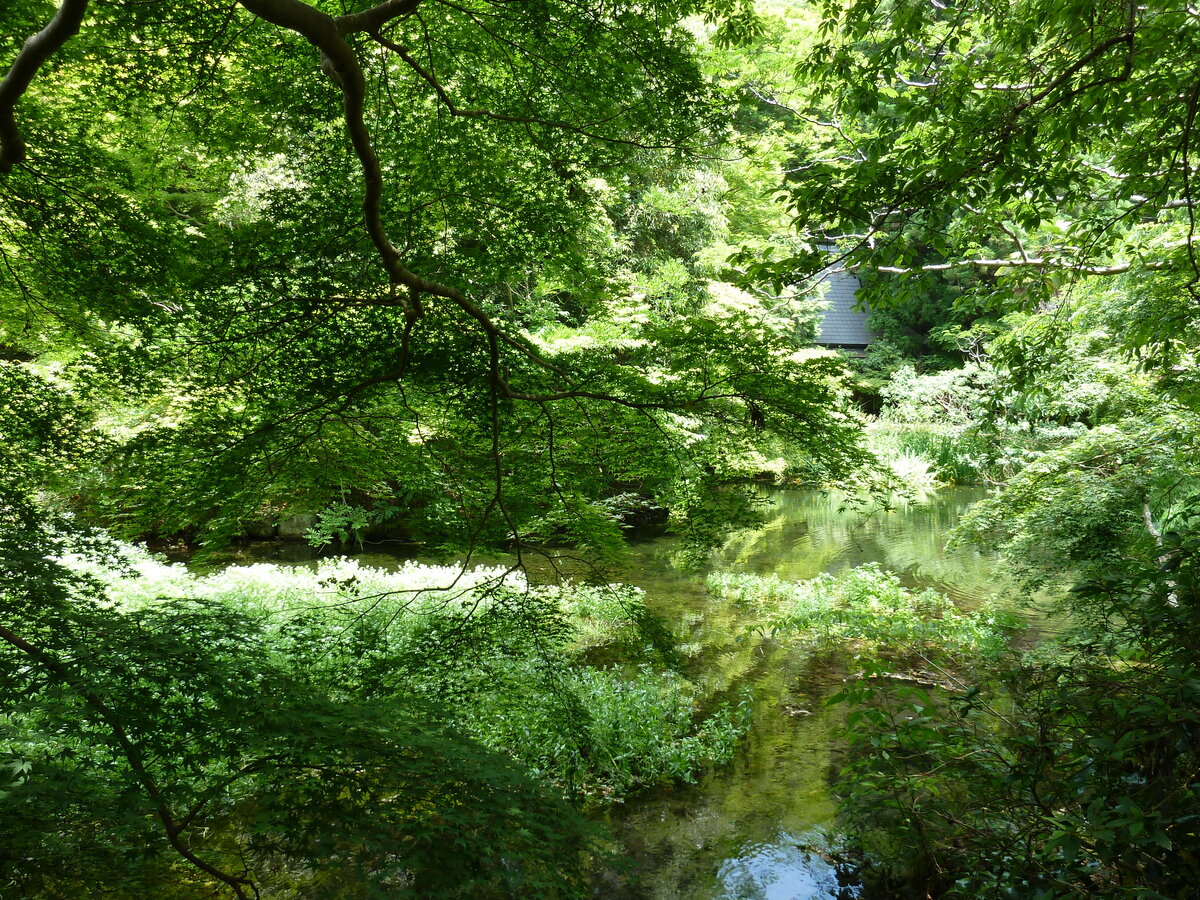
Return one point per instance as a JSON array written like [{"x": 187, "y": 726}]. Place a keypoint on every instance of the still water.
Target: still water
[{"x": 758, "y": 828}]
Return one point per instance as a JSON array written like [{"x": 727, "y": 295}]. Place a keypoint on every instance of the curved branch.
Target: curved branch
[
  {"x": 1124, "y": 37},
  {"x": 37, "y": 49},
  {"x": 455, "y": 110},
  {"x": 173, "y": 829},
  {"x": 371, "y": 20},
  {"x": 340, "y": 62}
]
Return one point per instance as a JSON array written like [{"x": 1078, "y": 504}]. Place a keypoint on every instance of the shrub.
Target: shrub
[
  {"x": 340, "y": 731},
  {"x": 1065, "y": 773},
  {"x": 868, "y": 612}
]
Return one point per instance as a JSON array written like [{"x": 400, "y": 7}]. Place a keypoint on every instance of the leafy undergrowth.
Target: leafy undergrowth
[
  {"x": 338, "y": 732},
  {"x": 911, "y": 658},
  {"x": 510, "y": 665},
  {"x": 973, "y": 770},
  {"x": 867, "y": 613}
]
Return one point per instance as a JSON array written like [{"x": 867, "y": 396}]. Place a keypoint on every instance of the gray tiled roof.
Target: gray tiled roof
[{"x": 843, "y": 325}]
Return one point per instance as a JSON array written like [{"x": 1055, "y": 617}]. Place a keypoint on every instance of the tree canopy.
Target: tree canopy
[
  {"x": 467, "y": 273},
  {"x": 416, "y": 234},
  {"x": 435, "y": 268},
  {"x": 1034, "y": 143}
]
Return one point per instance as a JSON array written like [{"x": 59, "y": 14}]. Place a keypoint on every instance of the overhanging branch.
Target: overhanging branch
[
  {"x": 173, "y": 829},
  {"x": 455, "y": 110},
  {"x": 36, "y": 50},
  {"x": 1026, "y": 263},
  {"x": 371, "y": 20},
  {"x": 340, "y": 62}
]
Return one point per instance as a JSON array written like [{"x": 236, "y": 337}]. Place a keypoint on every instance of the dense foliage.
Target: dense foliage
[
  {"x": 336, "y": 732},
  {"x": 517, "y": 274},
  {"x": 1062, "y": 772},
  {"x": 438, "y": 271},
  {"x": 1038, "y": 159},
  {"x": 559, "y": 329}
]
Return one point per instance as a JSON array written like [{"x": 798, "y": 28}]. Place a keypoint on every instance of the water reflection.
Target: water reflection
[
  {"x": 808, "y": 533},
  {"x": 749, "y": 826},
  {"x": 754, "y": 829},
  {"x": 784, "y": 869}
]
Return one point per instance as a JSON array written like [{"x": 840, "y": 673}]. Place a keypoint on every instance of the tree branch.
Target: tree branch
[
  {"x": 454, "y": 110},
  {"x": 1123, "y": 37},
  {"x": 133, "y": 757},
  {"x": 371, "y": 20},
  {"x": 340, "y": 62},
  {"x": 999, "y": 224},
  {"x": 37, "y": 49},
  {"x": 1026, "y": 263}
]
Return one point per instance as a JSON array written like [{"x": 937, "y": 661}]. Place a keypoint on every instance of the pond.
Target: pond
[{"x": 757, "y": 828}]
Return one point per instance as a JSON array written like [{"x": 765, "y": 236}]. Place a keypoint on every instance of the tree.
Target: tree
[
  {"x": 1049, "y": 150},
  {"x": 1035, "y": 143},
  {"x": 495, "y": 202},
  {"x": 280, "y": 256}
]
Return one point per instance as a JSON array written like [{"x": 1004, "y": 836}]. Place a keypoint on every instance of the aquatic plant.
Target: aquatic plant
[
  {"x": 950, "y": 454},
  {"x": 868, "y": 612}
]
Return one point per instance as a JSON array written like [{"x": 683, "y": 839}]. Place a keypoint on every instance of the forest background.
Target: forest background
[{"x": 524, "y": 274}]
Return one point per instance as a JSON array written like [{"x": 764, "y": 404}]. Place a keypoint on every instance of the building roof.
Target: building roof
[{"x": 843, "y": 325}]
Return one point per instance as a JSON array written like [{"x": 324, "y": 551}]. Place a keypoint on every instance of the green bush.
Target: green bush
[
  {"x": 183, "y": 758},
  {"x": 605, "y": 732},
  {"x": 869, "y": 613},
  {"x": 1069, "y": 772},
  {"x": 329, "y": 732},
  {"x": 576, "y": 682},
  {"x": 953, "y": 455}
]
